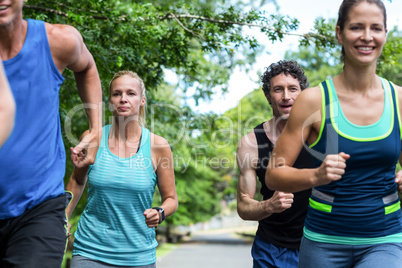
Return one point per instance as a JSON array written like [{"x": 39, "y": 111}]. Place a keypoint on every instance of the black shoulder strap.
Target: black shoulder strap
[
  {"x": 262, "y": 140},
  {"x": 265, "y": 147}
]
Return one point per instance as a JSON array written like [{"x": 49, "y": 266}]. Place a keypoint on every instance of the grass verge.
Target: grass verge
[{"x": 164, "y": 249}]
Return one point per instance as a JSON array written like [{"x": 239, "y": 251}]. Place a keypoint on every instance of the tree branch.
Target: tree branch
[
  {"x": 50, "y": 10},
  {"x": 307, "y": 36},
  {"x": 177, "y": 18},
  {"x": 170, "y": 15},
  {"x": 64, "y": 14}
]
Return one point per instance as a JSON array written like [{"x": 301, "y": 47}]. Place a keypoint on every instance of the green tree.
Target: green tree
[
  {"x": 189, "y": 136},
  {"x": 187, "y": 37},
  {"x": 390, "y": 65},
  {"x": 253, "y": 109}
]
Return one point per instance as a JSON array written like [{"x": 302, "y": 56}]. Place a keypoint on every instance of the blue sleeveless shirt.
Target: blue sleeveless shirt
[
  {"x": 363, "y": 206},
  {"x": 32, "y": 160},
  {"x": 112, "y": 228}
]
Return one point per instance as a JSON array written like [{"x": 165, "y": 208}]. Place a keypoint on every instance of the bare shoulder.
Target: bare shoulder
[
  {"x": 247, "y": 143},
  {"x": 62, "y": 33},
  {"x": 247, "y": 152},
  {"x": 161, "y": 153},
  {"x": 310, "y": 96},
  {"x": 158, "y": 141},
  {"x": 305, "y": 118},
  {"x": 398, "y": 90},
  {"x": 307, "y": 103},
  {"x": 65, "y": 43}
]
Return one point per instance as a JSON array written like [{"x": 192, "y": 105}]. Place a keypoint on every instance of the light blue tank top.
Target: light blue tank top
[
  {"x": 32, "y": 160},
  {"x": 112, "y": 227}
]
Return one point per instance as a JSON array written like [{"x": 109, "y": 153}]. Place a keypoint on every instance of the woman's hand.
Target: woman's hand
[
  {"x": 332, "y": 168},
  {"x": 151, "y": 217}
]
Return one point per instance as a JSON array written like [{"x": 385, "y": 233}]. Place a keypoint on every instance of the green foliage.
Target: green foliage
[
  {"x": 199, "y": 198},
  {"x": 324, "y": 32},
  {"x": 390, "y": 64},
  {"x": 186, "y": 36},
  {"x": 252, "y": 110},
  {"x": 189, "y": 136},
  {"x": 317, "y": 62}
]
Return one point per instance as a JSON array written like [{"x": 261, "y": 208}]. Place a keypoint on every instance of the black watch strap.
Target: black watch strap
[{"x": 161, "y": 213}]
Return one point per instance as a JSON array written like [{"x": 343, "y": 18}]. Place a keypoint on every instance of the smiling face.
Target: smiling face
[
  {"x": 125, "y": 96},
  {"x": 9, "y": 10},
  {"x": 364, "y": 34},
  {"x": 284, "y": 91}
]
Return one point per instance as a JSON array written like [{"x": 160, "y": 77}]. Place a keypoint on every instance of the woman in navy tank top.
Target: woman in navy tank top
[{"x": 352, "y": 126}]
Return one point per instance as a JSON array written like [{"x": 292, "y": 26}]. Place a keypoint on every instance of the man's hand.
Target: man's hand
[
  {"x": 280, "y": 201},
  {"x": 68, "y": 229},
  {"x": 84, "y": 154}
]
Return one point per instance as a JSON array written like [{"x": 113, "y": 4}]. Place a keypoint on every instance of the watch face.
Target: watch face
[{"x": 162, "y": 213}]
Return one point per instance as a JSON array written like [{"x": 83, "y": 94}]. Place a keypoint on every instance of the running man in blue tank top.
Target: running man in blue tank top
[
  {"x": 32, "y": 160},
  {"x": 7, "y": 107},
  {"x": 117, "y": 227},
  {"x": 352, "y": 124}
]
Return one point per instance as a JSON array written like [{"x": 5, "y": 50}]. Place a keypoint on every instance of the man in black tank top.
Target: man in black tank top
[{"x": 280, "y": 215}]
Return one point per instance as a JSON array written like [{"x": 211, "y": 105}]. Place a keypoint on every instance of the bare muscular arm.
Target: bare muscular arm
[
  {"x": 247, "y": 207},
  {"x": 69, "y": 51},
  {"x": 163, "y": 164}
]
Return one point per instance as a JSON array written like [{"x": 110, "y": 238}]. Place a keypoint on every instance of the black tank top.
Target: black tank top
[{"x": 281, "y": 229}]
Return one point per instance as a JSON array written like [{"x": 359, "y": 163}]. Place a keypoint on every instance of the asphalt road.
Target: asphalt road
[{"x": 210, "y": 250}]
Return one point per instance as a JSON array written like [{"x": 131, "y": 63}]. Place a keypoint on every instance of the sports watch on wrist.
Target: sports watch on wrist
[{"x": 161, "y": 214}]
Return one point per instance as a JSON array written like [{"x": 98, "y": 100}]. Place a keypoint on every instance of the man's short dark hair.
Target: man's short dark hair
[{"x": 283, "y": 66}]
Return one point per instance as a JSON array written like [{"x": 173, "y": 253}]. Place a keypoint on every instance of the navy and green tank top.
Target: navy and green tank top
[
  {"x": 33, "y": 159},
  {"x": 112, "y": 228},
  {"x": 363, "y": 206}
]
